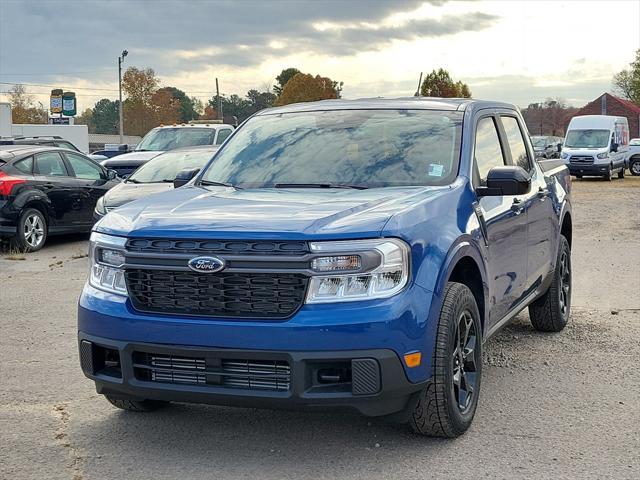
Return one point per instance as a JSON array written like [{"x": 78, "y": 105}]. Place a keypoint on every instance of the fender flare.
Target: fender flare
[{"x": 463, "y": 247}]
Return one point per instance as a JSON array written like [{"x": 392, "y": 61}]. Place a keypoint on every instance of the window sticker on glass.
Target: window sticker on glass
[{"x": 435, "y": 170}]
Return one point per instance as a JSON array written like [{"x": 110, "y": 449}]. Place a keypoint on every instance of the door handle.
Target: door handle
[
  {"x": 517, "y": 206},
  {"x": 543, "y": 193}
]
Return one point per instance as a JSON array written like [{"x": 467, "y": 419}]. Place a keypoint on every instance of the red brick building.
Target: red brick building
[{"x": 607, "y": 104}]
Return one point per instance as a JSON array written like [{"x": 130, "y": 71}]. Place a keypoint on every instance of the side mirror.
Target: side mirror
[
  {"x": 559, "y": 147},
  {"x": 184, "y": 176},
  {"x": 507, "y": 180},
  {"x": 614, "y": 147},
  {"x": 111, "y": 174}
]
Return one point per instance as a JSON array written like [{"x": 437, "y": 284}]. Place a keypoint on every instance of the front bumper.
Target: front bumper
[
  {"x": 370, "y": 381},
  {"x": 594, "y": 169}
]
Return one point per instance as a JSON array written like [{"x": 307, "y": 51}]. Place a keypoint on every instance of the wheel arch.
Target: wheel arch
[{"x": 566, "y": 227}]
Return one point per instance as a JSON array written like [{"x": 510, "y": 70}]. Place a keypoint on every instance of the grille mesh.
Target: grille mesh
[
  {"x": 203, "y": 247},
  {"x": 273, "y": 375},
  {"x": 259, "y": 295}
]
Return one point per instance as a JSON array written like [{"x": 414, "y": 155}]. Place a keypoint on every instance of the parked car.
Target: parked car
[
  {"x": 334, "y": 254},
  {"x": 596, "y": 145},
  {"x": 634, "y": 156},
  {"x": 165, "y": 138},
  {"x": 547, "y": 146},
  {"x": 157, "y": 175},
  {"x": 46, "y": 191},
  {"x": 52, "y": 141}
]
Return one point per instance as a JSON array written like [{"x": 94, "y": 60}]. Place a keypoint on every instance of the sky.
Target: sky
[{"x": 514, "y": 51}]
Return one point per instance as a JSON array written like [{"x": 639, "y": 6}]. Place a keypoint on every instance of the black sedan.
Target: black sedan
[
  {"x": 157, "y": 175},
  {"x": 46, "y": 191}
]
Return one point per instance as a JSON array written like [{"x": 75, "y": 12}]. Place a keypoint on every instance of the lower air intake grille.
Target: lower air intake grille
[
  {"x": 249, "y": 295},
  {"x": 272, "y": 375}
]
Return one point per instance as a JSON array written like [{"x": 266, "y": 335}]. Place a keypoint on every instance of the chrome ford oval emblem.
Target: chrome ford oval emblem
[{"x": 206, "y": 264}]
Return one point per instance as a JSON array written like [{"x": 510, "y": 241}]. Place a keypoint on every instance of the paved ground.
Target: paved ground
[{"x": 552, "y": 406}]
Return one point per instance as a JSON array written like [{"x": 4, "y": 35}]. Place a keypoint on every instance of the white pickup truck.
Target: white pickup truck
[{"x": 634, "y": 156}]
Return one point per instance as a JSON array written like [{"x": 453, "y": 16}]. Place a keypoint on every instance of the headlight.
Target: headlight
[
  {"x": 603, "y": 155},
  {"x": 100, "y": 206},
  {"x": 106, "y": 254},
  {"x": 564, "y": 155},
  {"x": 382, "y": 267}
]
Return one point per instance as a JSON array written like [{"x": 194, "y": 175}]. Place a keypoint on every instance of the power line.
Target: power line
[{"x": 58, "y": 86}]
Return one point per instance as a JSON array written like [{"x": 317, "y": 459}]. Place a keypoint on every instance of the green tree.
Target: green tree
[
  {"x": 24, "y": 108},
  {"x": 282, "y": 79},
  {"x": 105, "y": 116},
  {"x": 627, "y": 82},
  {"x": 187, "y": 105},
  {"x": 304, "y": 87},
  {"x": 439, "y": 84},
  {"x": 86, "y": 118},
  {"x": 240, "y": 107},
  {"x": 260, "y": 100}
]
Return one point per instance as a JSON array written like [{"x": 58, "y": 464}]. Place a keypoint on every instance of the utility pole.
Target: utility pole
[
  {"x": 120, "y": 109},
  {"x": 417, "y": 94},
  {"x": 218, "y": 100}
]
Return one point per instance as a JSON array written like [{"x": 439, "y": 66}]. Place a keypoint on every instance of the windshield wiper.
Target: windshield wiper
[
  {"x": 319, "y": 185},
  {"x": 209, "y": 183}
]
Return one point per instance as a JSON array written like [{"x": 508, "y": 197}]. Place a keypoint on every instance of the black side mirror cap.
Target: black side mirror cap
[
  {"x": 184, "y": 176},
  {"x": 507, "y": 180},
  {"x": 111, "y": 174}
]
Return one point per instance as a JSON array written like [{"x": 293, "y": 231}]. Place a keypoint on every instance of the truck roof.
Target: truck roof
[{"x": 416, "y": 103}]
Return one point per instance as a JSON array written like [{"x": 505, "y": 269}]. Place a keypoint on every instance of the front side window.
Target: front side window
[
  {"x": 50, "y": 164},
  {"x": 179, "y": 137},
  {"x": 488, "y": 153},
  {"x": 587, "y": 139},
  {"x": 515, "y": 139},
  {"x": 222, "y": 136},
  {"x": 84, "y": 168},
  {"x": 367, "y": 148}
]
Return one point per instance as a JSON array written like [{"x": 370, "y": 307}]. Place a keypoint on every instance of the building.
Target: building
[{"x": 607, "y": 104}]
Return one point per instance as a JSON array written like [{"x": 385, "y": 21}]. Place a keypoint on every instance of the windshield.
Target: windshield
[
  {"x": 171, "y": 138},
  {"x": 539, "y": 142},
  {"x": 166, "y": 166},
  {"x": 366, "y": 148},
  {"x": 587, "y": 139}
]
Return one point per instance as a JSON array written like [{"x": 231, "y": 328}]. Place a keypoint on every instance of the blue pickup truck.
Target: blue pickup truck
[{"x": 337, "y": 254}]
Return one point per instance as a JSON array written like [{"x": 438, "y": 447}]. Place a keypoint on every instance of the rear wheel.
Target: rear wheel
[
  {"x": 136, "y": 405},
  {"x": 447, "y": 405},
  {"x": 550, "y": 313},
  {"x": 32, "y": 231}
]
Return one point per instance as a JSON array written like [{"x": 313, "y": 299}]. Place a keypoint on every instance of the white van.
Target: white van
[{"x": 596, "y": 145}]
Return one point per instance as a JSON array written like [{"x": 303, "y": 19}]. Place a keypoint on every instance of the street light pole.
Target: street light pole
[{"x": 120, "y": 109}]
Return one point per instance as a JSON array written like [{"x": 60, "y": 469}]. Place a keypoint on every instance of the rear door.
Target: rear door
[
  {"x": 505, "y": 221},
  {"x": 91, "y": 180},
  {"x": 53, "y": 178}
]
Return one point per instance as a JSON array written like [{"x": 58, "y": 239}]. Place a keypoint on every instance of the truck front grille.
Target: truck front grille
[
  {"x": 271, "y": 375},
  {"x": 581, "y": 159},
  {"x": 217, "y": 247},
  {"x": 248, "y": 295}
]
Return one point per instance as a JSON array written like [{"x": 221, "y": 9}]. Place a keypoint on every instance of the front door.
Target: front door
[{"x": 505, "y": 220}]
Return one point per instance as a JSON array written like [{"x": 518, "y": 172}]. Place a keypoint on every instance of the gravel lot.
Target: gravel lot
[{"x": 552, "y": 406}]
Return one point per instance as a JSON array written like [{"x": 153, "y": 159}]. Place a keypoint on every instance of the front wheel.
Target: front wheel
[
  {"x": 608, "y": 174},
  {"x": 550, "y": 313},
  {"x": 621, "y": 172},
  {"x": 447, "y": 405},
  {"x": 634, "y": 167}
]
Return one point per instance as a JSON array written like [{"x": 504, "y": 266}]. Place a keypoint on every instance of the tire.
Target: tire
[
  {"x": 32, "y": 231},
  {"x": 447, "y": 405},
  {"x": 634, "y": 167},
  {"x": 136, "y": 405},
  {"x": 578, "y": 176},
  {"x": 621, "y": 172},
  {"x": 550, "y": 313},
  {"x": 609, "y": 175}
]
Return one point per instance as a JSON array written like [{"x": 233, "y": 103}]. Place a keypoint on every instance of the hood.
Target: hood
[
  {"x": 131, "y": 158},
  {"x": 584, "y": 151},
  {"x": 298, "y": 213},
  {"x": 127, "y": 192}
]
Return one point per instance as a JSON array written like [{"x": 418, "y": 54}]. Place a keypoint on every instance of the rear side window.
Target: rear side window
[
  {"x": 488, "y": 153},
  {"x": 517, "y": 146},
  {"x": 222, "y": 136},
  {"x": 84, "y": 168},
  {"x": 24, "y": 166},
  {"x": 50, "y": 164}
]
